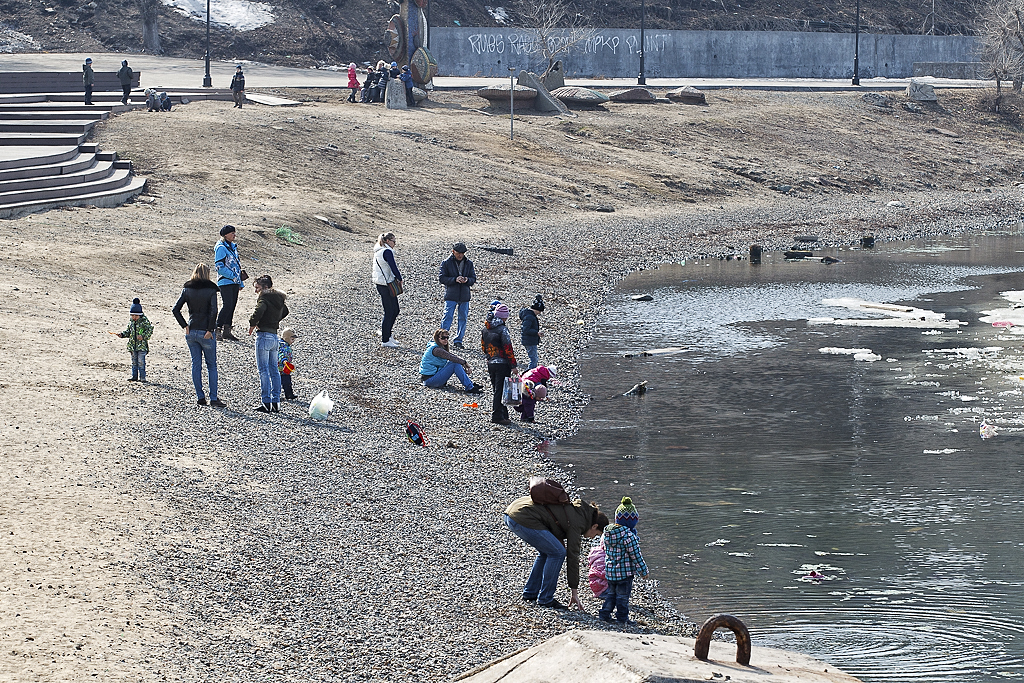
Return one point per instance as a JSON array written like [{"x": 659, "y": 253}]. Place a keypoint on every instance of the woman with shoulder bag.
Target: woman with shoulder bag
[{"x": 388, "y": 279}]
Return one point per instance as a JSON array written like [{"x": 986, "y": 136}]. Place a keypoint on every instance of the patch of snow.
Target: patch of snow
[
  {"x": 240, "y": 15},
  {"x": 500, "y": 14},
  {"x": 837, "y": 351},
  {"x": 15, "y": 41}
]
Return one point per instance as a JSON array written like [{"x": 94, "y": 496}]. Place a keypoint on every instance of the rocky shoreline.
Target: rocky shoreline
[{"x": 339, "y": 550}]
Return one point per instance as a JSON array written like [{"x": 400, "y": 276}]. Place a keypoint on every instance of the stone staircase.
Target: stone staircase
[{"x": 45, "y": 161}]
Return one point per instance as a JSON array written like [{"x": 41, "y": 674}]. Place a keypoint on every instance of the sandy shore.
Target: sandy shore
[{"x": 152, "y": 539}]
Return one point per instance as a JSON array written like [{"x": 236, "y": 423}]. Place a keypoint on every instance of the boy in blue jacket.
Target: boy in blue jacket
[{"x": 406, "y": 77}]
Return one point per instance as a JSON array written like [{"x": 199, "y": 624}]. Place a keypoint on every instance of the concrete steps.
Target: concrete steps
[{"x": 45, "y": 162}]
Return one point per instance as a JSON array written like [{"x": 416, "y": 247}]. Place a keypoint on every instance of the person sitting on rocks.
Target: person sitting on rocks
[{"x": 439, "y": 364}]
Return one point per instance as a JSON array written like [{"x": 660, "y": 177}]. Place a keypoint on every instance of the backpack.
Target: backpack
[
  {"x": 415, "y": 434},
  {"x": 547, "y": 492}
]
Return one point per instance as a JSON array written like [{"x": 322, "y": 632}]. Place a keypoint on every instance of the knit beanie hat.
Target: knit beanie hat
[
  {"x": 626, "y": 513},
  {"x": 136, "y": 308},
  {"x": 501, "y": 311},
  {"x": 227, "y": 230},
  {"x": 538, "y": 304}
]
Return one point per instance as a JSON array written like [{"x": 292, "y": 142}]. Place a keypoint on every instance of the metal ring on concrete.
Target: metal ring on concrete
[{"x": 703, "y": 644}]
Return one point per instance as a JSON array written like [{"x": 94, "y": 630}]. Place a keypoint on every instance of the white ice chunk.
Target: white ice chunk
[
  {"x": 839, "y": 351},
  {"x": 867, "y": 357}
]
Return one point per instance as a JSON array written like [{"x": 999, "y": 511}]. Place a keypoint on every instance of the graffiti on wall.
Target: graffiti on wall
[{"x": 529, "y": 43}]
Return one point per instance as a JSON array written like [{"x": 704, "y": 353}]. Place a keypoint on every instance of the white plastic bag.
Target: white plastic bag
[
  {"x": 512, "y": 392},
  {"x": 321, "y": 406}
]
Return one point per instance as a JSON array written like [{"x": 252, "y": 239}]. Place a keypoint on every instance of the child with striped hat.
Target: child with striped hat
[{"x": 623, "y": 561}]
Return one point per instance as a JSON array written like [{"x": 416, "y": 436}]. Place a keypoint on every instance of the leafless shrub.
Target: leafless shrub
[
  {"x": 1002, "y": 38},
  {"x": 558, "y": 27}
]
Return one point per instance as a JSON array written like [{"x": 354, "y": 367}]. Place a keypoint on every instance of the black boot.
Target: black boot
[
  {"x": 227, "y": 334},
  {"x": 275, "y": 407},
  {"x": 264, "y": 408}
]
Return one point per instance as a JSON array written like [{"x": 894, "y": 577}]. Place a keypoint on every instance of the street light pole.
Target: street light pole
[
  {"x": 207, "y": 81},
  {"x": 642, "y": 78},
  {"x": 856, "y": 48}
]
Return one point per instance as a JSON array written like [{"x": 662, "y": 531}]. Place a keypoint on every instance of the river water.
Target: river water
[{"x": 756, "y": 458}]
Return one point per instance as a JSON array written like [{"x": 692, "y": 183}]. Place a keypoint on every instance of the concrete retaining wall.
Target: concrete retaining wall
[{"x": 613, "y": 53}]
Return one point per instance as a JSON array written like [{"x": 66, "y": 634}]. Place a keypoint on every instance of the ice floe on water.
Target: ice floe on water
[
  {"x": 895, "y": 315},
  {"x": 1009, "y": 317},
  {"x": 858, "y": 354},
  {"x": 970, "y": 353},
  {"x": 240, "y": 15}
]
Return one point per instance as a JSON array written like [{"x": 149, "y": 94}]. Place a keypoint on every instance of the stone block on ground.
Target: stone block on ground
[
  {"x": 610, "y": 657},
  {"x": 632, "y": 95},
  {"x": 687, "y": 95},
  {"x": 394, "y": 96},
  {"x": 544, "y": 100},
  {"x": 919, "y": 91},
  {"x": 418, "y": 94},
  {"x": 498, "y": 95},
  {"x": 574, "y": 95},
  {"x": 554, "y": 77}
]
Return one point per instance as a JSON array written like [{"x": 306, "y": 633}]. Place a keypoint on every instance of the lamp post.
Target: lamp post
[
  {"x": 856, "y": 48},
  {"x": 207, "y": 81},
  {"x": 641, "y": 78}
]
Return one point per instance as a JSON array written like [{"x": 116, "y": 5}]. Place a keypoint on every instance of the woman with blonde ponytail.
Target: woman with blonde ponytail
[{"x": 384, "y": 272}]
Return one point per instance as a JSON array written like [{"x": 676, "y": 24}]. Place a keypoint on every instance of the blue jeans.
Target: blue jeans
[
  {"x": 201, "y": 348},
  {"x": 544, "y": 576},
  {"x": 267, "y": 346},
  {"x": 444, "y": 374},
  {"x": 139, "y": 365},
  {"x": 617, "y": 597},
  {"x": 449, "y": 313},
  {"x": 531, "y": 351}
]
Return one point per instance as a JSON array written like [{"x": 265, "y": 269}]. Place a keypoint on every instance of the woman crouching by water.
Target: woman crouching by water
[{"x": 545, "y": 527}]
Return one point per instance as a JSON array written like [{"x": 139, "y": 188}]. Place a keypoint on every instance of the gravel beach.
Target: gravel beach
[{"x": 167, "y": 541}]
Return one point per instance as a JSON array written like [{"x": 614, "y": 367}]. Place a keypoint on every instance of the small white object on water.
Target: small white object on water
[
  {"x": 867, "y": 357},
  {"x": 839, "y": 351},
  {"x": 987, "y": 431}
]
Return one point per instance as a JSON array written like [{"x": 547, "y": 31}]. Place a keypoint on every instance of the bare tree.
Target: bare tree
[
  {"x": 150, "y": 11},
  {"x": 557, "y": 26}
]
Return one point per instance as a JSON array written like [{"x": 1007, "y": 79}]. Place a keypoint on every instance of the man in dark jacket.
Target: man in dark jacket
[
  {"x": 125, "y": 77},
  {"x": 457, "y": 275},
  {"x": 238, "y": 87},
  {"x": 200, "y": 294},
  {"x": 88, "y": 79}
]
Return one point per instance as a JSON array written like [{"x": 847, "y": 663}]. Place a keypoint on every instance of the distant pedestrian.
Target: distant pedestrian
[
  {"x": 271, "y": 309},
  {"x": 89, "y": 79},
  {"x": 388, "y": 280},
  {"x": 501, "y": 359},
  {"x": 138, "y": 334},
  {"x": 238, "y": 87},
  {"x": 367, "y": 94},
  {"x": 286, "y": 362},
  {"x": 530, "y": 333},
  {"x": 353, "y": 82},
  {"x": 200, "y": 294},
  {"x": 381, "y": 86},
  {"x": 230, "y": 279},
  {"x": 623, "y": 560},
  {"x": 124, "y": 75},
  {"x": 406, "y": 77},
  {"x": 458, "y": 276}
]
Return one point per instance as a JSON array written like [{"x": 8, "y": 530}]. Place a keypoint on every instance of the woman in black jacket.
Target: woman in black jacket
[{"x": 200, "y": 294}]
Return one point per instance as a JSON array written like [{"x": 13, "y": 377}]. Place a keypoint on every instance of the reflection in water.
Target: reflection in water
[{"x": 755, "y": 459}]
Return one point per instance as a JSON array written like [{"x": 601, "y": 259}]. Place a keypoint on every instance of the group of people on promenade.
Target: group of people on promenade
[
  {"x": 208, "y": 323},
  {"x": 440, "y": 361},
  {"x": 124, "y": 77},
  {"x": 375, "y": 84}
]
